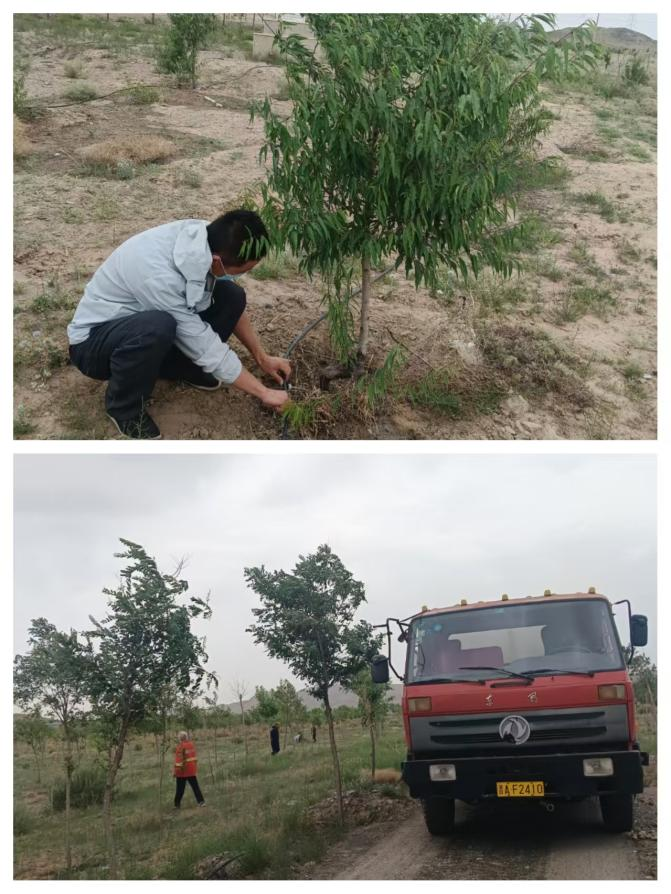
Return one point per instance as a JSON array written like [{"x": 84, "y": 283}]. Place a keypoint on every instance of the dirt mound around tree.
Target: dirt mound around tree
[{"x": 362, "y": 807}]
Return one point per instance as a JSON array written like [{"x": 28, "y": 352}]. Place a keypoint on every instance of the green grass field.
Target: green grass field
[{"x": 255, "y": 806}]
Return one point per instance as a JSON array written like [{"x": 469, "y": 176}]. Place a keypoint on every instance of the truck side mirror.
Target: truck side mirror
[
  {"x": 379, "y": 668},
  {"x": 638, "y": 627}
]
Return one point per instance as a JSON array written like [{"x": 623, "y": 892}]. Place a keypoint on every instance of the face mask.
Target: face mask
[{"x": 228, "y": 277}]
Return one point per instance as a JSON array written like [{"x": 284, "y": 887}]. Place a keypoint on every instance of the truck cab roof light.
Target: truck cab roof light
[
  {"x": 547, "y": 593},
  {"x": 592, "y": 590},
  {"x": 464, "y": 602},
  {"x": 504, "y": 597}
]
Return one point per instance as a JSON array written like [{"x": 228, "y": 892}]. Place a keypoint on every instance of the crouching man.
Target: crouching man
[{"x": 163, "y": 305}]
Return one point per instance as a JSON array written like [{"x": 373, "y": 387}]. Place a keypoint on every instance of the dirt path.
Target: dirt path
[{"x": 489, "y": 842}]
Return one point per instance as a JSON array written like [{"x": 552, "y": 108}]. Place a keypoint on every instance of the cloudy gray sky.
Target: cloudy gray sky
[
  {"x": 646, "y": 23},
  {"x": 416, "y": 529}
]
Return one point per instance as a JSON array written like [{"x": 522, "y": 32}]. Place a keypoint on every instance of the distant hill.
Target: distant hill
[
  {"x": 337, "y": 696},
  {"x": 617, "y": 38}
]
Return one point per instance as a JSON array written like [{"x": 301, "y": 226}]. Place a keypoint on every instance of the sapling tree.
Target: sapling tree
[
  {"x": 33, "y": 729},
  {"x": 239, "y": 689},
  {"x": 187, "y": 34},
  {"x": 373, "y": 706},
  {"x": 291, "y": 708},
  {"x": 267, "y": 708},
  {"x": 142, "y": 646},
  {"x": 215, "y": 717},
  {"x": 400, "y": 143},
  {"x": 51, "y": 675},
  {"x": 307, "y": 620}
]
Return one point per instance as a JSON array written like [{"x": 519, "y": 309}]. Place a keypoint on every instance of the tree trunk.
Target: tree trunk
[
  {"x": 113, "y": 769},
  {"x": 244, "y": 728},
  {"x": 336, "y": 762},
  {"x": 372, "y": 749},
  {"x": 68, "y": 788},
  {"x": 365, "y": 308}
]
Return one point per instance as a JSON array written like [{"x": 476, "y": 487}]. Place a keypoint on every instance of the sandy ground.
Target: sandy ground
[
  {"x": 581, "y": 392},
  {"x": 492, "y": 842}
]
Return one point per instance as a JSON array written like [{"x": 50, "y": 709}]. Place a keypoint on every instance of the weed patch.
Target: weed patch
[
  {"x": 534, "y": 364},
  {"x": 81, "y": 93},
  {"x": 585, "y": 299},
  {"x": 598, "y": 202},
  {"x": 546, "y": 173},
  {"x": 23, "y": 428},
  {"x": 139, "y": 150},
  {"x": 435, "y": 392}
]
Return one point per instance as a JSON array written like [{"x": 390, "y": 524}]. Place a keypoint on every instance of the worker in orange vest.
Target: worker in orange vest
[{"x": 186, "y": 768}]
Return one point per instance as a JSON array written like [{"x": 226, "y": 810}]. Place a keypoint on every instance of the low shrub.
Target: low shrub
[{"x": 87, "y": 788}]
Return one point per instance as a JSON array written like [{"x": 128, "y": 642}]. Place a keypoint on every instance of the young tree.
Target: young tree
[
  {"x": 34, "y": 730},
  {"x": 306, "y": 619},
  {"x": 400, "y": 143},
  {"x": 187, "y": 34},
  {"x": 239, "y": 690},
  {"x": 267, "y": 707},
  {"x": 373, "y": 706},
  {"x": 644, "y": 677},
  {"x": 291, "y": 708},
  {"x": 143, "y": 645},
  {"x": 215, "y": 717},
  {"x": 52, "y": 675}
]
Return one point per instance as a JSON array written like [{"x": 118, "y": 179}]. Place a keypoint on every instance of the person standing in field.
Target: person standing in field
[
  {"x": 275, "y": 739},
  {"x": 186, "y": 769},
  {"x": 163, "y": 305},
  {"x": 314, "y": 733}
]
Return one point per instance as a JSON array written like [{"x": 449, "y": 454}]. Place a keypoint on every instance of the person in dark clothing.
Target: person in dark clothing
[
  {"x": 186, "y": 768},
  {"x": 314, "y": 733},
  {"x": 275, "y": 738}
]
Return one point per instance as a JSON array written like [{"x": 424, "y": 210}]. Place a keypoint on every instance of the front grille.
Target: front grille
[
  {"x": 536, "y": 736},
  {"x": 536, "y": 718},
  {"x": 562, "y": 729}
]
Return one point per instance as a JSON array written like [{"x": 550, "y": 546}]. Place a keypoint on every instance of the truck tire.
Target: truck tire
[
  {"x": 439, "y": 815},
  {"x": 617, "y": 812}
]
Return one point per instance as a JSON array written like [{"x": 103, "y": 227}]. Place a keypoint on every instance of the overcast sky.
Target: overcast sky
[
  {"x": 415, "y": 529},
  {"x": 646, "y": 23}
]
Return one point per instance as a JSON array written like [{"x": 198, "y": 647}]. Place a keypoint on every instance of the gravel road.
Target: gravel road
[{"x": 511, "y": 841}]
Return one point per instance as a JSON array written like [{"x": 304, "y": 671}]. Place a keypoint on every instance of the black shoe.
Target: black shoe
[
  {"x": 202, "y": 381},
  {"x": 141, "y": 428}
]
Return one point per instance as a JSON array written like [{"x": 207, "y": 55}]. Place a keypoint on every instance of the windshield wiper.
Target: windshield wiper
[
  {"x": 444, "y": 680},
  {"x": 501, "y": 670},
  {"x": 555, "y": 670}
]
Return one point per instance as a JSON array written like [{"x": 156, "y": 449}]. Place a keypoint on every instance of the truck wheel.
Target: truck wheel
[
  {"x": 617, "y": 812},
  {"x": 439, "y": 815}
]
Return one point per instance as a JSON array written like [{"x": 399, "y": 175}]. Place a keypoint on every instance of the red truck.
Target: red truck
[{"x": 519, "y": 698}]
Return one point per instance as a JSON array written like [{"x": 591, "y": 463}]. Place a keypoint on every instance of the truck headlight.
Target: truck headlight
[
  {"x": 419, "y": 704},
  {"x": 442, "y": 772},
  {"x": 612, "y": 690},
  {"x": 598, "y": 766}
]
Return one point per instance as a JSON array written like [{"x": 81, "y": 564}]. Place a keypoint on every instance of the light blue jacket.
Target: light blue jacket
[{"x": 165, "y": 268}]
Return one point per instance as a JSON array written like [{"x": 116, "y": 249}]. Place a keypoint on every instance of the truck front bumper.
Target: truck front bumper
[{"x": 562, "y": 774}]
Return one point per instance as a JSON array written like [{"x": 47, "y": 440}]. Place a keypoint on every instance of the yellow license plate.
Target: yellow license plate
[{"x": 520, "y": 789}]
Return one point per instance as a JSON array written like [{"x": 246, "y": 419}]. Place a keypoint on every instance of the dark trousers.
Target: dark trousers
[
  {"x": 181, "y": 785},
  {"x": 135, "y": 351}
]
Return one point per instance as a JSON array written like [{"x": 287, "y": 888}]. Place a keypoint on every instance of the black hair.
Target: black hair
[{"x": 238, "y": 236}]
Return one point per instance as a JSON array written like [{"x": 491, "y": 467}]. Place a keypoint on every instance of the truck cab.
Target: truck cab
[{"x": 526, "y": 698}]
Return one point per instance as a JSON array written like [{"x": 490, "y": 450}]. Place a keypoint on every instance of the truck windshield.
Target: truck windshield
[{"x": 576, "y": 635}]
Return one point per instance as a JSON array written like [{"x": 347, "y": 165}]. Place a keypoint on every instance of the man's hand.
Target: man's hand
[
  {"x": 274, "y": 399},
  {"x": 279, "y": 368}
]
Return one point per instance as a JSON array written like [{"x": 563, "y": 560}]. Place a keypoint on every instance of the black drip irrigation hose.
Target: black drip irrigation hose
[{"x": 308, "y": 329}]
